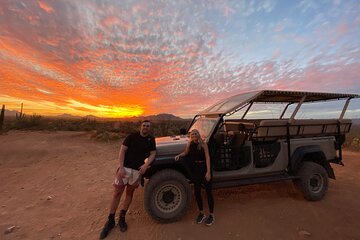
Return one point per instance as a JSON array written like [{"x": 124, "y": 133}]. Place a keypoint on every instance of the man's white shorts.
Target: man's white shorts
[{"x": 132, "y": 177}]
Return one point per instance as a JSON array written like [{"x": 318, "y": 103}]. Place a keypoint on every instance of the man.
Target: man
[{"x": 136, "y": 153}]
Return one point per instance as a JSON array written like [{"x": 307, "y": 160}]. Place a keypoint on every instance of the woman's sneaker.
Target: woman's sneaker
[
  {"x": 210, "y": 220},
  {"x": 200, "y": 218}
]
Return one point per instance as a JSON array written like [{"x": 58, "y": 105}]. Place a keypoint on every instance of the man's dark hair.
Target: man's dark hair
[{"x": 144, "y": 121}]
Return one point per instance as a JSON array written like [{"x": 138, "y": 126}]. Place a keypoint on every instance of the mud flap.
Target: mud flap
[{"x": 330, "y": 171}]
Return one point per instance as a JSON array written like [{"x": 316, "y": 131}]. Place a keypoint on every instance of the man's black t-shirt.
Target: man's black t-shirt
[{"x": 139, "y": 148}]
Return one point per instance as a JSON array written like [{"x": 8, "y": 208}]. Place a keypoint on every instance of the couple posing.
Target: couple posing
[{"x": 136, "y": 154}]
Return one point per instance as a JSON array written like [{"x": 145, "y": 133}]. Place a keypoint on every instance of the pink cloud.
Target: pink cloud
[{"x": 276, "y": 53}]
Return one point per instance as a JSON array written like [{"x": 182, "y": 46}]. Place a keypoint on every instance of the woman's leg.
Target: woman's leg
[
  {"x": 210, "y": 198},
  {"x": 210, "y": 219},
  {"x": 197, "y": 179},
  {"x": 197, "y": 189},
  {"x": 197, "y": 192}
]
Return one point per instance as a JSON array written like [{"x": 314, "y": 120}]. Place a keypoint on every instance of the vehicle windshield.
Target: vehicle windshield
[{"x": 205, "y": 126}]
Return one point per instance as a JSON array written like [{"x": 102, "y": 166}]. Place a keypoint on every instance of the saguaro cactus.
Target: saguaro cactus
[
  {"x": 21, "y": 115},
  {"x": 2, "y": 116}
]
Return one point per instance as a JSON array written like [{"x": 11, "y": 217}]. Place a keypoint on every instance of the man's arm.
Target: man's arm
[
  {"x": 121, "y": 171},
  {"x": 148, "y": 161},
  {"x": 151, "y": 157}
]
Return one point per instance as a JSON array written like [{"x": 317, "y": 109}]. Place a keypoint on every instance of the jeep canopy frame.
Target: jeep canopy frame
[
  {"x": 238, "y": 102},
  {"x": 235, "y": 103}
]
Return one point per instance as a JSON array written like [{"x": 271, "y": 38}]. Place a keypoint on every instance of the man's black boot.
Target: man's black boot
[
  {"x": 107, "y": 227},
  {"x": 122, "y": 223}
]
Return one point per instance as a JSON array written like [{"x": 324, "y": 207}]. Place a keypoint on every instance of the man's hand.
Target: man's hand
[
  {"x": 143, "y": 168},
  {"x": 121, "y": 173},
  {"x": 208, "y": 176},
  {"x": 177, "y": 157}
]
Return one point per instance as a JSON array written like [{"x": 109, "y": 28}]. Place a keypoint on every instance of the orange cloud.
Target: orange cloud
[
  {"x": 45, "y": 7},
  {"x": 125, "y": 59}
]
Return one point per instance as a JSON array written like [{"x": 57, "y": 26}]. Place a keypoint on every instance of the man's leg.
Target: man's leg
[
  {"x": 130, "y": 189},
  {"x": 118, "y": 191}
]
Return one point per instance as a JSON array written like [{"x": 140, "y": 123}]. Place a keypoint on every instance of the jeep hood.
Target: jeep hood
[{"x": 170, "y": 145}]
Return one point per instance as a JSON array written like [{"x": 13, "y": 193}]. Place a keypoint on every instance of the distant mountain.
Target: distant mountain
[
  {"x": 91, "y": 117},
  {"x": 68, "y": 116},
  {"x": 162, "y": 116}
]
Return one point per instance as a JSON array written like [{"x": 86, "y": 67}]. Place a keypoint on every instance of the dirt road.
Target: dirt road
[{"x": 58, "y": 186}]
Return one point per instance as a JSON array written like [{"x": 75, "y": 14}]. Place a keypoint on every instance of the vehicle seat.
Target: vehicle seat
[
  {"x": 237, "y": 139},
  {"x": 219, "y": 139}
]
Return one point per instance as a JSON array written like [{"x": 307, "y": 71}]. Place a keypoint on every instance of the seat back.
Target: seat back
[{"x": 302, "y": 127}]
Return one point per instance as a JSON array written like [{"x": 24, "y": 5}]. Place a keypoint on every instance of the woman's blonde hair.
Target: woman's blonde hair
[{"x": 201, "y": 142}]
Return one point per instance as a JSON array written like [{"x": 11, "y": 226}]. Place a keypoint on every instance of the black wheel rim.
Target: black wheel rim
[{"x": 316, "y": 183}]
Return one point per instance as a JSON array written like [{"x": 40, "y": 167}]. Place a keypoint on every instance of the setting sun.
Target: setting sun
[{"x": 107, "y": 111}]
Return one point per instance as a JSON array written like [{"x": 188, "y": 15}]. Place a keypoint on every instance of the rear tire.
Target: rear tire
[
  {"x": 167, "y": 196},
  {"x": 313, "y": 181}
]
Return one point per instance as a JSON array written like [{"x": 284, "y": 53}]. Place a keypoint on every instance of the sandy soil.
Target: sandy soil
[{"x": 76, "y": 172}]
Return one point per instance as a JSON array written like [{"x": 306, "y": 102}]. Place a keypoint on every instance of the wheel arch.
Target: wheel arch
[
  {"x": 168, "y": 163},
  {"x": 312, "y": 153}
]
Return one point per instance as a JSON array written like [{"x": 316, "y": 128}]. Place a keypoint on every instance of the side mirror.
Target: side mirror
[{"x": 182, "y": 131}]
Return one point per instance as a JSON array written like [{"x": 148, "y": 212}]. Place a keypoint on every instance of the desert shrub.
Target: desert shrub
[
  {"x": 127, "y": 127},
  {"x": 106, "y": 136},
  {"x": 83, "y": 124},
  {"x": 352, "y": 141},
  {"x": 169, "y": 127},
  {"x": 33, "y": 122},
  {"x": 103, "y": 129}
]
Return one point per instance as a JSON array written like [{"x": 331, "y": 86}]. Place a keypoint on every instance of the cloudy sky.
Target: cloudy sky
[{"x": 119, "y": 58}]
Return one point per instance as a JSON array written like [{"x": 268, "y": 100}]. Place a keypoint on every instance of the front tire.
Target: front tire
[
  {"x": 167, "y": 196},
  {"x": 313, "y": 181}
]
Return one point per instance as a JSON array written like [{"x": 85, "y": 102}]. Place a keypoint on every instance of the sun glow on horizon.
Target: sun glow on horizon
[
  {"x": 108, "y": 111},
  {"x": 72, "y": 107}
]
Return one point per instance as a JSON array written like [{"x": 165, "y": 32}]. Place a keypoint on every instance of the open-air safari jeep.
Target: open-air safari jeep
[{"x": 248, "y": 151}]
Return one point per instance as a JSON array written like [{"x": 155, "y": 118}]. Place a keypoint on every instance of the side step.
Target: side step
[{"x": 253, "y": 180}]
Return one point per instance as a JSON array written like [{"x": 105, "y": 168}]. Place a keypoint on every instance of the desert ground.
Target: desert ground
[{"x": 57, "y": 185}]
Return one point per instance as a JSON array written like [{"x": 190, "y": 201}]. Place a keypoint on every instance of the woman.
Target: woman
[{"x": 198, "y": 153}]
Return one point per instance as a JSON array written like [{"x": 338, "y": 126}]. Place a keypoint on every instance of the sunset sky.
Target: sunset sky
[{"x": 121, "y": 58}]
